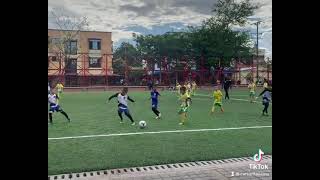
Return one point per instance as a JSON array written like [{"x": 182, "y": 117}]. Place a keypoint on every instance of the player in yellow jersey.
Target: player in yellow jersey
[
  {"x": 265, "y": 84},
  {"x": 252, "y": 88},
  {"x": 178, "y": 86},
  {"x": 217, "y": 96},
  {"x": 59, "y": 88},
  {"x": 193, "y": 88},
  {"x": 188, "y": 92},
  {"x": 183, "y": 106}
]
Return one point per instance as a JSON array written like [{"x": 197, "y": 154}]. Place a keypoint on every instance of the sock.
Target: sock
[
  {"x": 212, "y": 110},
  {"x": 50, "y": 117},
  {"x": 155, "y": 111},
  {"x": 182, "y": 117},
  {"x": 130, "y": 117},
  {"x": 65, "y": 114},
  {"x": 120, "y": 115}
]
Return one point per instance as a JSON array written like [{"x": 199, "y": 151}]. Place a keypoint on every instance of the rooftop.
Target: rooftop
[{"x": 80, "y": 31}]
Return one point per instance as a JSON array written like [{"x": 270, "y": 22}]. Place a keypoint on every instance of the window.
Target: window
[
  {"x": 71, "y": 47},
  {"x": 94, "y": 44},
  {"x": 55, "y": 41},
  {"x": 94, "y": 62},
  {"x": 52, "y": 58}
]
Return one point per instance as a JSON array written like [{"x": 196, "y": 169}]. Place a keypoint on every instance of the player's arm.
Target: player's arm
[
  {"x": 130, "y": 99},
  {"x": 113, "y": 96},
  {"x": 266, "y": 89}
]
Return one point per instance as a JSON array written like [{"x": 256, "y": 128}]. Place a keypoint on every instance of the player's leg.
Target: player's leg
[
  {"x": 155, "y": 111},
  {"x": 50, "y": 117},
  {"x": 127, "y": 113},
  {"x": 226, "y": 94},
  {"x": 51, "y": 110},
  {"x": 120, "y": 115},
  {"x": 213, "y": 108},
  {"x": 63, "y": 112},
  {"x": 183, "y": 118},
  {"x": 251, "y": 97},
  {"x": 265, "y": 109},
  {"x": 221, "y": 108}
]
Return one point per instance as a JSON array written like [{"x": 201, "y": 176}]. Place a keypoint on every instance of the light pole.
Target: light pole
[{"x": 257, "y": 47}]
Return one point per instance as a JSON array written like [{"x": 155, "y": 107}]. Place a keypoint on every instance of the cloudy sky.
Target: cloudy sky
[{"x": 124, "y": 17}]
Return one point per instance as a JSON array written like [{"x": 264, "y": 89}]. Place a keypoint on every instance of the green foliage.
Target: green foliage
[{"x": 214, "y": 41}]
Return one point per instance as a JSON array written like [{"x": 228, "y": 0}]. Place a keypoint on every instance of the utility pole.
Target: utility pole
[
  {"x": 126, "y": 64},
  {"x": 257, "y": 47}
]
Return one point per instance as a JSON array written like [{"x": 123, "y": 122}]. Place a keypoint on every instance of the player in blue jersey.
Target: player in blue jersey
[{"x": 154, "y": 102}]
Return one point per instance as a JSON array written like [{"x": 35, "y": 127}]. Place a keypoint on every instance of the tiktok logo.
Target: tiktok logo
[{"x": 258, "y": 157}]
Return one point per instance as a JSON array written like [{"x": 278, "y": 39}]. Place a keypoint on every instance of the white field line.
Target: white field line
[
  {"x": 205, "y": 95},
  {"x": 157, "y": 132}
]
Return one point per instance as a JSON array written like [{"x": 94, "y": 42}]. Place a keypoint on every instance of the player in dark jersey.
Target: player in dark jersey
[{"x": 154, "y": 102}]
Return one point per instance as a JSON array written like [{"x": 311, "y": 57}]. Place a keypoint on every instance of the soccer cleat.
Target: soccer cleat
[
  {"x": 134, "y": 123},
  {"x": 121, "y": 122},
  {"x": 181, "y": 123},
  {"x": 159, "y": 115}
]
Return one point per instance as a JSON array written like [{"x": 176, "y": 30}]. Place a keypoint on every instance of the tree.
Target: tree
[
  {"x": 126, "y": 53},
  {"x": 215, "y": 40},
  {"x": 229, "y": 12}
]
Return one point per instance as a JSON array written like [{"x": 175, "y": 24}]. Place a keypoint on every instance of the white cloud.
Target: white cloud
[{"x": 117, "y": 16}]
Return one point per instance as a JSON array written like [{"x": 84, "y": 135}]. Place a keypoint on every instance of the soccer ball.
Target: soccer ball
[{"x": 142, "y": 124}]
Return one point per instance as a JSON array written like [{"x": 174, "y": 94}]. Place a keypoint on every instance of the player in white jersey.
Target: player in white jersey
[
  {"x": 123, "y": 104},
  {"x": 54, "y": 106},
  {"x": 49, "y": 88}
]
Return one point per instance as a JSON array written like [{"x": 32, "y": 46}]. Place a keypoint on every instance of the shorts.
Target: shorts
[
  {"x": 217, "y": 104},
  {"x": 183, "y": 109},
  {"x": 122, "y": 109},
  {"x": 252, "y": 93},
  {"x": 154, "y": 105},
  {"x": 54, "y": 108}
]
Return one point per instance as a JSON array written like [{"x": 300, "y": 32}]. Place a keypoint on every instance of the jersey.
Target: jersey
[
  {"x": 252, "y": 87},
  {"x": 194, "y": 85},
  {"x": 217, "y": 95},
  {"x": 183, "y": 98},
  {"x": 59, "y": 86},
  {"x": 52, "y": 98},
  {"x": 154, "y": 98},
  {"x": 49, "y": 88},
  {"x": 123, "y": 101}
]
